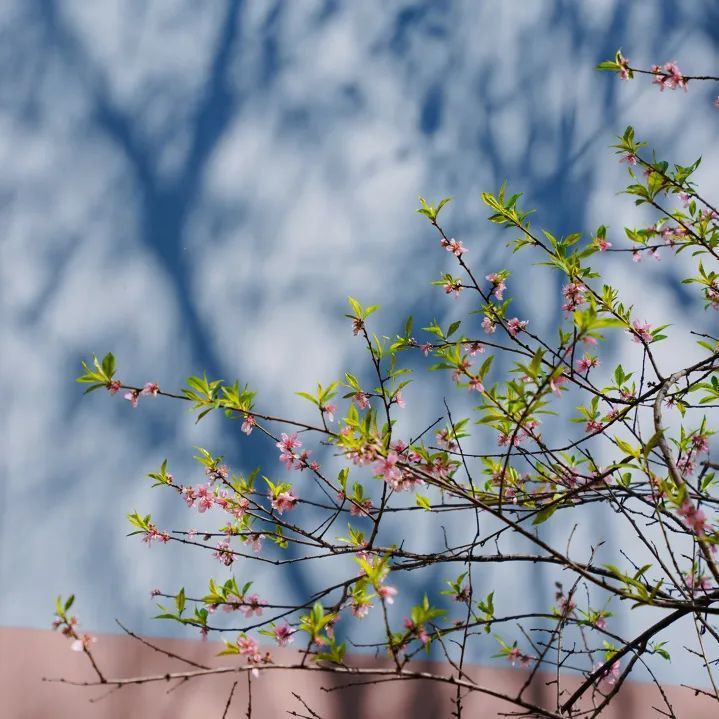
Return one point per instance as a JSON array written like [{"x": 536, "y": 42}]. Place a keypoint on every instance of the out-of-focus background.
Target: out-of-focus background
[{"x": 199, "y": 186}]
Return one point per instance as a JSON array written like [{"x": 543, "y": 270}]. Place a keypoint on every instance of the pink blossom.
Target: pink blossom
[
  {"x": 601, "y": 243},
  {"x": 488, "y": 326},
  {"x": 155, "y": 593},
  {"x": 609, "y": 677},
  {"x": 476, "y": 384},
  {"x": 624, "y": 67},
  {"x": 82, "y": 642},
  {"x": 641, "y": 332},
  {"x": 288, "y": 442},
  {"x": 361, "y": 509},
  {"x": 693, "y": 517},
  {"x": 132, "y": 397},
  {"x": 426, "y": 348},
  {"x": 224, "y": 553},
  {"x": 329, "y": 410},
  {"x": 456, "y": 248},
  {"x": 283, "y": 634},
  {"x": 697, "y": 582},
  {"x": 574, "y": 295},
  {"x": 474, "y": 347},
  {"x": 387, "y": 467},
  {"x": 716, "y": 102},
  {"x": 586, "y": 363},
  {"x": 684, "y": 198},
  {"x": 401, "y": 403},
  {"x": 248, "y": 647},
  {"x": 254, "y": 540},
  {"x": 600, "y": 623},
  {"x": 671, "y": 77},
  {"x": 445, "y": 439},
  {"x": 515, "y": 655},
  {"x": 361, "y": 399},
  {"x": 204, "y": 497},
  {"x": 252, "y": 605},
  {"x": 360, "y": 609},
  {"x": 498, "y": 285},
  {"x": 700, "y": 443},
  {"x": 248, "y": 425},
  {"x": 556, "y": 382},
  {"x": 452, "y": 287},
  {"x": 631, "y": 159},
  {"x": 284, "y": 502},
  {"x": 593, "y": 426},
  {"x": 387, "y": 593},
  {"x": 153, "y": 533},
  {"x": 515, "y": 326},
  {"x": 114, "y": 386},
  {"x": 151, "y": 389},
  {"x": 636, "y": 256}
]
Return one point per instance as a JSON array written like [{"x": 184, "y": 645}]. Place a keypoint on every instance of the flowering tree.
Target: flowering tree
[{"x": 639, "y": 454}]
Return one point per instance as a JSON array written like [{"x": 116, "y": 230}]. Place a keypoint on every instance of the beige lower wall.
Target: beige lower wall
[{"x": 27, "y": 655}]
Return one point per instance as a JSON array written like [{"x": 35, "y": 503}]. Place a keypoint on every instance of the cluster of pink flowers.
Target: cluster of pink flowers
[
  {"x": 251, "y": 649},
  {"x": 584, "y": 364},
  {"x": 452, "y": 287},
  {"x": 291, "y": 459},
  {"x": 609, "y": 676},
  {"x": 623, "y": 67},
  {"x": 693, "y": 517},
  {"x": 556, "y": 382},
  {"x": 451, "y": 245},
  {"x": 361, "y": 399},
  {"x": 488, "y": 325},
  {"x": 515, "y": 655},
  {"x": 641, "y": 332},
  {"x": 248, "y": 424},
  {"x": 154, "y": 534},
  {"x": 205, "y": 497},
  {"x": 363, "y": 455},
  {"x": 474, "y": 348},
  {"x": 361, "y": 607},
  {"x": 669, "y": 77},
  {"x": 461, "y": 369},
  {"x": 68, "y": 627},
  {"x": 284, "y": 634},
  {"x": 133, "y": 396},
  {"x": 417, "y": 630},
  {"x": 498, "y": 284},
  {"x": 601, "y": 242},
  {"x": 631, "y": 159},
  {"x": 445, "y": 439},
  {"x": 254, "y": 541},
  {"x": 252, "y": 605},
  {"x": 217, "y": 473},
  {"x": 573, "y": 293},
  {"x": 697, "y": 581},
  {"x": 652, "y": 252},
  {"x": 518, "y": 437},
  {"x": 515, "y": 326},
  {"x": 387, "y": 593},
  {"x": 284, "y": 501},
  {"x": 224, "y": 553},
  {"x": 357, "y": 508}
]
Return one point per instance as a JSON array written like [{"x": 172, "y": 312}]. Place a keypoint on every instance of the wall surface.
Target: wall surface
[{"x": 28, "y": 655}]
